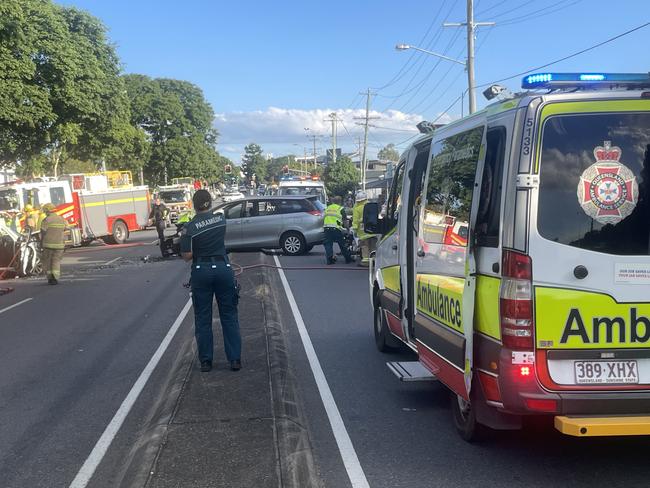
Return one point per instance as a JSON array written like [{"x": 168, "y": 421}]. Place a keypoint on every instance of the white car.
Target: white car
[{"x": 231, "y": 196}]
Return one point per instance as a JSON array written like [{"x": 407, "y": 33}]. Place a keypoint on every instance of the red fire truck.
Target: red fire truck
[{"x": 106, "y": 206}]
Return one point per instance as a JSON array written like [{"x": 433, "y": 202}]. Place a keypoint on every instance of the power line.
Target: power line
[
  {"x": 423, "y": 58},
  {"x": 556, "y": 7},
  {"x": 399, "y": 74},
  {"x": 481, "y": 12},
  {"x": 478, "y": 49},
  {"x": 419, "y": 85},
  {"x": 510, "y": 10},
  {"x": 578, "y": 53}
]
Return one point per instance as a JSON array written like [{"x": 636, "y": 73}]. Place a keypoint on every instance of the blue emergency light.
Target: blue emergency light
[{"x": 557, "y": 80}]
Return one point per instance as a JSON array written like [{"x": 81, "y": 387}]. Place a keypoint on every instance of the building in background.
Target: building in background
[{"x": 8, "y": 173}]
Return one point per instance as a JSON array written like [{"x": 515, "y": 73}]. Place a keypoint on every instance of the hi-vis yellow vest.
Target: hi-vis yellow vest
[{"x": 333, "y": 216}]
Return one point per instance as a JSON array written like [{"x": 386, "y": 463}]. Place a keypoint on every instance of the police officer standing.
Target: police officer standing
[
  {"x": 53, "y": 243},
  {"x": 202, "y": 242}
]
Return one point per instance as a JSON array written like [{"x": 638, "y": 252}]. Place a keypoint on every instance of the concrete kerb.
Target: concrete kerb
[{"x": 297, "y": 466}]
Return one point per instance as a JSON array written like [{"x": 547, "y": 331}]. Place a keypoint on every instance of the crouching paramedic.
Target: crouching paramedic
[
  {"x": 202, "y": 242},
  {"x": 333, "y": 230},
  {"x": 367, "y": 242},
  {"x": 53, "y": 243}
]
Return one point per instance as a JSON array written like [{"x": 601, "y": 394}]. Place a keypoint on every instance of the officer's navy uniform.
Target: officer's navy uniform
[{"x": 212, "y": 276}]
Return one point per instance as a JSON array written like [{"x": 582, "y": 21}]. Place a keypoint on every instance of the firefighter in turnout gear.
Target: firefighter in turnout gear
[
  {"x": 333, "y": 229},
  {"x": 158, "y": 216},
  {"x": 53, "y": 243},
  {"x": 366, "y": 241}
]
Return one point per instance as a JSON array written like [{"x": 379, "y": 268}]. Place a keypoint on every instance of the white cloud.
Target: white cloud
[{"x": 278, "y": 129}]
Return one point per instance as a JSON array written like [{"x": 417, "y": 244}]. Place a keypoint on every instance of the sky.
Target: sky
[{"x": 271, "y": 69}]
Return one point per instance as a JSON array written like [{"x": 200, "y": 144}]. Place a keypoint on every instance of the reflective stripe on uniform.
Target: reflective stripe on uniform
[{"x": 332, "y": 216}]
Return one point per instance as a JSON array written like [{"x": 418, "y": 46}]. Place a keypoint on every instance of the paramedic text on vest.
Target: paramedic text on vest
[
  {"x": 202, "y": 242},
  {"x": 53, "y": 242},
  {"x": 332, "y": 227}
]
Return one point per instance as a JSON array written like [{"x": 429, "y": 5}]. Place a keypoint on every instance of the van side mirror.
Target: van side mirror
[{"x": 371, "y": 218}]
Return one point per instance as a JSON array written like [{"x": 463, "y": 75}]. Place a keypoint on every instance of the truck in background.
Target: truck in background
[{"x": 97, "y": 206}]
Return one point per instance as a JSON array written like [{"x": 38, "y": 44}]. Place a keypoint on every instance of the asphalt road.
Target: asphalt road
[
  {"x": 69, "y": 354},
  {"x": 402, "y": 433}
]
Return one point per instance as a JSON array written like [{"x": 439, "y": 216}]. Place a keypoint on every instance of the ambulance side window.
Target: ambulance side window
[
  {"x": 449, "y": 190},
  {"x": 395, "y": 198},
  {"x": 488, "y": 218}
]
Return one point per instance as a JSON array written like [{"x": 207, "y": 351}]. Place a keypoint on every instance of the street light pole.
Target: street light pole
[{"x": 469, "y": 65}]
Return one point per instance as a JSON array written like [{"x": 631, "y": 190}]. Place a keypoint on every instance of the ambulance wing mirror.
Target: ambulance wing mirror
[{"x": 371, "y": 218}]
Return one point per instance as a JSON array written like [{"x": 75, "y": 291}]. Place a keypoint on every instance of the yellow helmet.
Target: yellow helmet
[
  {"x": 29, "y": 208},
  {"x": 48, "y": 208}
]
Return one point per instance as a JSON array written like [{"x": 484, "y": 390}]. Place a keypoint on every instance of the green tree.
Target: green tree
[
  {"x": 60, "y": 90},
  {"x": 254, "y": 162},
  {"x": 176, "y": 122},
  {"x": 388, "y": 153},
  {"x": 341, "y": 177}
]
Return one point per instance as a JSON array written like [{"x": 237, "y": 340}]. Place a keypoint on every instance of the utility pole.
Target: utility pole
[
  {"x": 313, "y": 138},
  {"x": 333, "y": 118},
  {"x": 366, "y": 120},
  {"x": 469, "y": 66}
]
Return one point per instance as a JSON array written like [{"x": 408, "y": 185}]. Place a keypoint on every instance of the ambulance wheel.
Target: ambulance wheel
[
  {"x": 120, "y": 233},
  {"x": 292, "y": 243},
  {"x": 382, "y": 335},
  {"x": 465, "y": 419}
]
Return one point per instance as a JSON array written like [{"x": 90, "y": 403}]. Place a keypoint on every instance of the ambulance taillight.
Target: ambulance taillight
[{"x": 516, "y": 301}]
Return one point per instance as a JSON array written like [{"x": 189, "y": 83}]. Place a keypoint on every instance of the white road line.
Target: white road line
[
  {"x": 107, "y": 263},
  {"x": 97, "y": 454},
  {"x": 15, "y": 305},
  {"x": 153, "y": 242},
  {"x": 348, "y": 454}
]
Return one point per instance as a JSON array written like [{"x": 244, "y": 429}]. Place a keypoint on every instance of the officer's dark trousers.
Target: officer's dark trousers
[
  {"x": 215, "y": 279},
  {"x": 160, "y": 228},
  {"x": 332, "y": 235}
]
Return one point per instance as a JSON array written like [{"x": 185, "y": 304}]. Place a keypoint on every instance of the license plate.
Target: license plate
[{"x": 604, "y": 372}]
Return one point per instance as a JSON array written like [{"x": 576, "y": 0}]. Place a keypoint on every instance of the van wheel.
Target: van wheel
[
  {"x": 465, "y": 419},
  {"x": 382, "y": 335},
  {"x": 292, "y": 243},
  {"x": 120, "y": 233}
]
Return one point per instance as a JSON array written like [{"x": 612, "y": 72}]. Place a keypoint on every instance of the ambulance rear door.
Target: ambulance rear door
[
  {"x": 445, "y": 281},
  {"x": 589, "y": 244}
]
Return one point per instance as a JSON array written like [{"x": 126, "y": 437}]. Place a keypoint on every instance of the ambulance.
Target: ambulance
[{"x": 515, "y": 258}]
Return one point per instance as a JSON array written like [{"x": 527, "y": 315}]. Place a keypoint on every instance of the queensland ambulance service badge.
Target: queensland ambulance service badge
[{"x": 608, "y": 190}]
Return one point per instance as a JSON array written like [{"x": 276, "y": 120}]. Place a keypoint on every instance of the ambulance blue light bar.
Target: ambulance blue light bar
[{"x": 555, "y": 80}]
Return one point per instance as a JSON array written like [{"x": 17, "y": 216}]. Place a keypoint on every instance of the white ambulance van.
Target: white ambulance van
[{"x": 542, "y": 201}]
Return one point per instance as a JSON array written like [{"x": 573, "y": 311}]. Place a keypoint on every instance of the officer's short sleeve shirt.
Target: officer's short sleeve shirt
[{"x": 204, "y": 235}]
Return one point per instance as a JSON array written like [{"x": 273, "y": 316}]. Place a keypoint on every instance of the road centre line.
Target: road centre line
[
  {"x": 15, "y": 305},
  {"x": 108, "y": 263},
  {"x": 101, "y": 447},
  {"x": 346, "y": 449}
]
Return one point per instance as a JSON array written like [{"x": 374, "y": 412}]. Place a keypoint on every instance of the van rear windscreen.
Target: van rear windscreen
[{"x": 595, "y": 182}]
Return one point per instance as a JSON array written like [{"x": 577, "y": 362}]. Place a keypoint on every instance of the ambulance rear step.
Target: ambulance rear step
[
  {"x": 410, "y": 371},
  {"x": 603, "y": 426}
]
